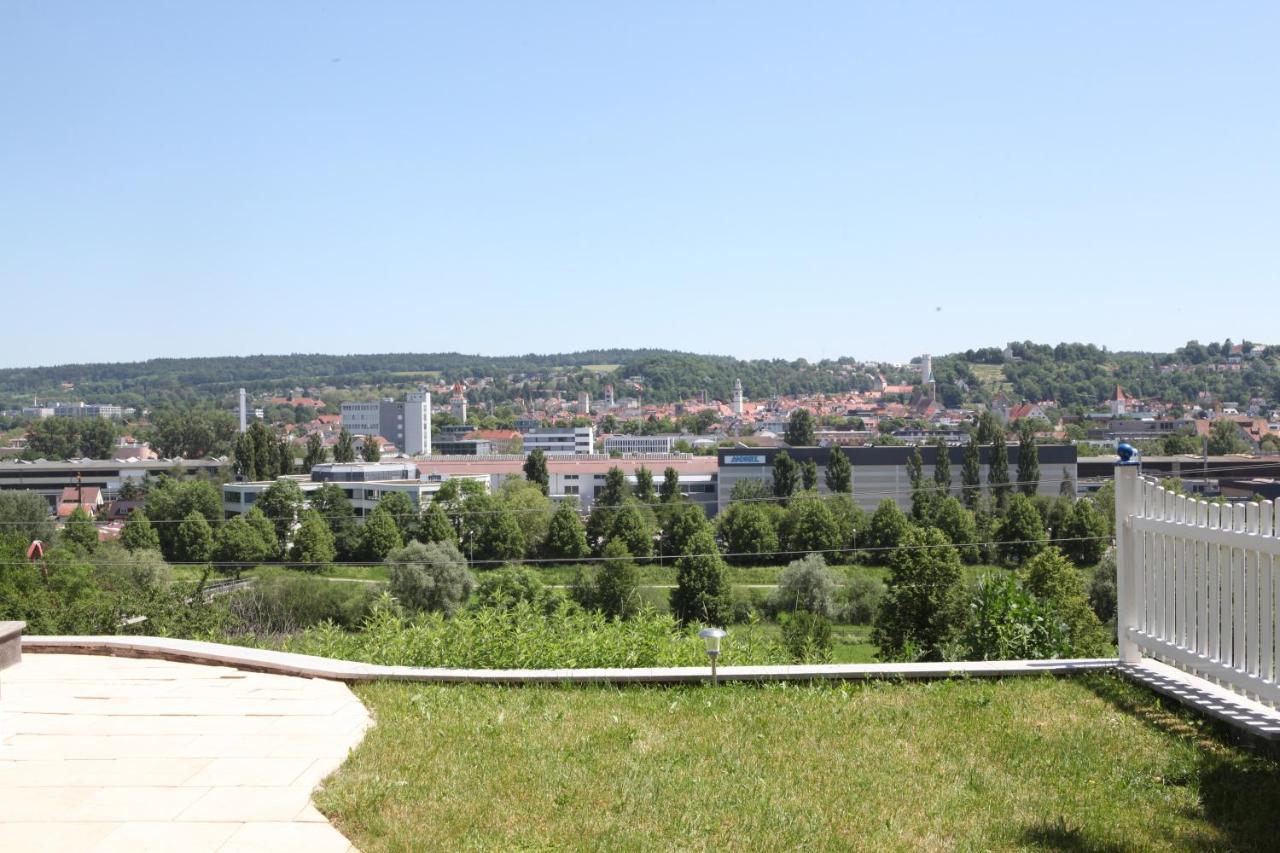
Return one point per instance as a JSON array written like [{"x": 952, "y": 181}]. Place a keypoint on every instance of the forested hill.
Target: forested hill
[
  {"x": 1071, "y": 374},
  {"x": 660, "y": 375}
]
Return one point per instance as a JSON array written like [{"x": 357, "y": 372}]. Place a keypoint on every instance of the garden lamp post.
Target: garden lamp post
[{"x": 711, "y": 636}]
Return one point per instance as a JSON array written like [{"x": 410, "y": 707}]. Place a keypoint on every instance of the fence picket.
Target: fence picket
[
  {"x": 1252, "y": 646},
  {"x": 1215, "y": 587},
  {"x": 1266, "y": 599},
  {"x": 1202, "y": 563},
  {"x": 1237, "y": 593}
]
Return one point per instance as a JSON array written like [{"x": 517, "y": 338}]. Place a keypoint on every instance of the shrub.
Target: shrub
[
  {"x": 1102, "y": 591},
  {"x": 1086, "y": 532},
  {"x": 805, "y": 584},
  {"x": 807, "y": 636},
  {"x": 508, "y": 586},
  {"x": 1021, "y": 533},
  {"x": 282, "y": 603},
  {"x": 1007, "y": 623},
  {"x": 1051, "y": 578},
  {"x": 430, "y": 577},
  {"x": 702, "y": 583},
  {"x": 525, "y": 637},
  {"x": 923, "y": 608},
  {"x": 859, "y": 601}
]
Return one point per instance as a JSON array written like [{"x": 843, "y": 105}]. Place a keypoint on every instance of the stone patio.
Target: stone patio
[{"x": 102, "y": 753}]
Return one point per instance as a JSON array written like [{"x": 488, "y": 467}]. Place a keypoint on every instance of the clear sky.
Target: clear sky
[{"x": 756, "y": 179}]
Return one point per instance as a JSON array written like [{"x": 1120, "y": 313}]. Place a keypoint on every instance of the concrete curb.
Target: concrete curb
[{"x": 309, "y": 666}]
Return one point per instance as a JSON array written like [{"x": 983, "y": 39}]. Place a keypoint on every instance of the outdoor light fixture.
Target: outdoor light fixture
[{"x": 711, "y": 636}]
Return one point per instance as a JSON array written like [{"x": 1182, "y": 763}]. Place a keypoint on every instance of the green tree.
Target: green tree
[
  {"x": 80, "y": 530},
  {"x": 498, "y": 536},
  {"x": 245, "y": 457},
  {"x": 371, "y": 450},
  {"x": 535, "y": 470},
  {"x": 617, "y": 582},
  {"x": 806, "y": 584},
  {"x": 886, "y": 529},
  {"x": 194, "y": 540},
  {"x": 430, "y": 578},
  {"x": 644, "y": 485},
  {"x": 170, "y": 500},
  {"x": 959, "y": 526},
  {"x": 800, "y": 429},
  {"x": 280, "y": 503},
  {"x": 238, "y": 545},
  {"x": 435, "y": 526},
  {"x": 971, "y": 474},
  {"x": 313, "y": 544},
  {"x": 942, "y": 469},
  {"x": 1028, "y": 459},
  {"x": 344, "y": 450},
  {"x": 921, "y": 493},
  {"x": 839, "y": 473},
  {"x": 923, "y": 607},
  {"x": 809, "y": 475},
  {"x": 702, "y": 584},
  {"x": 402, "y": 509},
  {"x": 316, "y": 452},
  {"x": 669, "y": 492},
  {"x": 265, "y": 451},
  {"x": 333, "y": 505},
  {"x": 1051, "y": 578},
  {"x": 379, "y": 536},
  {"x": 749, "y": 531},
  {"x": 566, "y": 536},
  {"x": 785, "y": 474},
  {"x": 998, "y": 471},
  {"x": 1086, "y": 533},
  {"x": 1224, "y": 438},
  {"x": 809, "y": 526},
  {"x": 138, "y": 533},
  {"x": 1021, "y": 534},
  {"x": 191, "y": 432},
  {"x": 24, "y": 515},
  {"x": 614, "y": 491},
  {"x": 630, "y": 526},
  {"x": 286, "y": 462},
  {"x": 679, "y": 522},
  {"x": 266, "y": 531},
  {"x": 532, "y": 511}
]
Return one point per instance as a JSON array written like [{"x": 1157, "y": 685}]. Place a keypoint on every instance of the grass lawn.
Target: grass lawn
[{"x": 1085, "y": 763}]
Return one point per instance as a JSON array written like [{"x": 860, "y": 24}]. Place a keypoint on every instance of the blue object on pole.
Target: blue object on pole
[{"x": 1129, "y": 454}]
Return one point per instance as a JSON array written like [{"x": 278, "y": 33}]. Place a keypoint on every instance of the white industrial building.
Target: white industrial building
[
  {"x": 560, "y": 441},
  {"x": 406, "y": 424}
]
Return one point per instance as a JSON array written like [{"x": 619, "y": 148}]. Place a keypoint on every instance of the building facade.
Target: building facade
[
  {"x": 632, "y": 444},
  {"x": 881, "y": 472},
  {"x": 405, "y": 424},
  {"x": 560, "y": 441}
]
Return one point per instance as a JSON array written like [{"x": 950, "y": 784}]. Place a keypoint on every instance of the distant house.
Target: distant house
[{"x": 75, "y": 497}]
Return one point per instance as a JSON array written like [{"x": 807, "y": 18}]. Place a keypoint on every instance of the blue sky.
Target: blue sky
[{"x": 754, "y": 179}]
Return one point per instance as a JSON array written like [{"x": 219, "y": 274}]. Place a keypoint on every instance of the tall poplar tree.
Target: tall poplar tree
[
  {"x": 942, "y": 469},
  {"x": 809, "y": 475},
  {"x": 839, "y": 473},
  {"x": 535, "y": 470},
  {"x": 998, "y": 470},
  {"x": 344, "y": 450},
  {"x": 1028, "y": 460},
  {"x": 785, "y": 474},
  {"x": 971, "y": 474},
  {"x": 669, "y": 491}
]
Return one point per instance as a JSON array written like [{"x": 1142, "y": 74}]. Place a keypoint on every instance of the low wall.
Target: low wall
[
  {"x": 11, "y": 643},
  {"x": 309, "y": 666}
]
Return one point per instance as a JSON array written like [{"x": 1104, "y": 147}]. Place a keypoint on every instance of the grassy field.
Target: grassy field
[{"x": 1089, "y": 763}]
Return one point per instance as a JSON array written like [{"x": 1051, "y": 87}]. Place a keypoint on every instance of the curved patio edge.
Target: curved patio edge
[{"x": 311, "y": 666}]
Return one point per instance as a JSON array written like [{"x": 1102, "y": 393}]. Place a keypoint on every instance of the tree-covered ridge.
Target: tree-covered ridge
[
  {"x": 656, "y": 375},
  {"x": 1074, "y": 374}
]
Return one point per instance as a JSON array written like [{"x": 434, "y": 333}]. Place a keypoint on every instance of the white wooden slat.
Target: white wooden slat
[
  {"x": 1226, "y": 674},
  {"x": 1267, "y": 599},
  {"x": 1252, "y": 645},
  {"x": 1215, "y": 588},
  {"x": 1237, "y": 593},
  {"x": 1202, "y": 566}
]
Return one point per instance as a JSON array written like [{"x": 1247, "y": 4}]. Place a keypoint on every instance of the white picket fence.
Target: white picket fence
[{"x": 1197, "y": 585}]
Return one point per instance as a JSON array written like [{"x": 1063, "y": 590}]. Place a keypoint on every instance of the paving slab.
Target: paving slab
[{"x": 105, "y": 753}]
